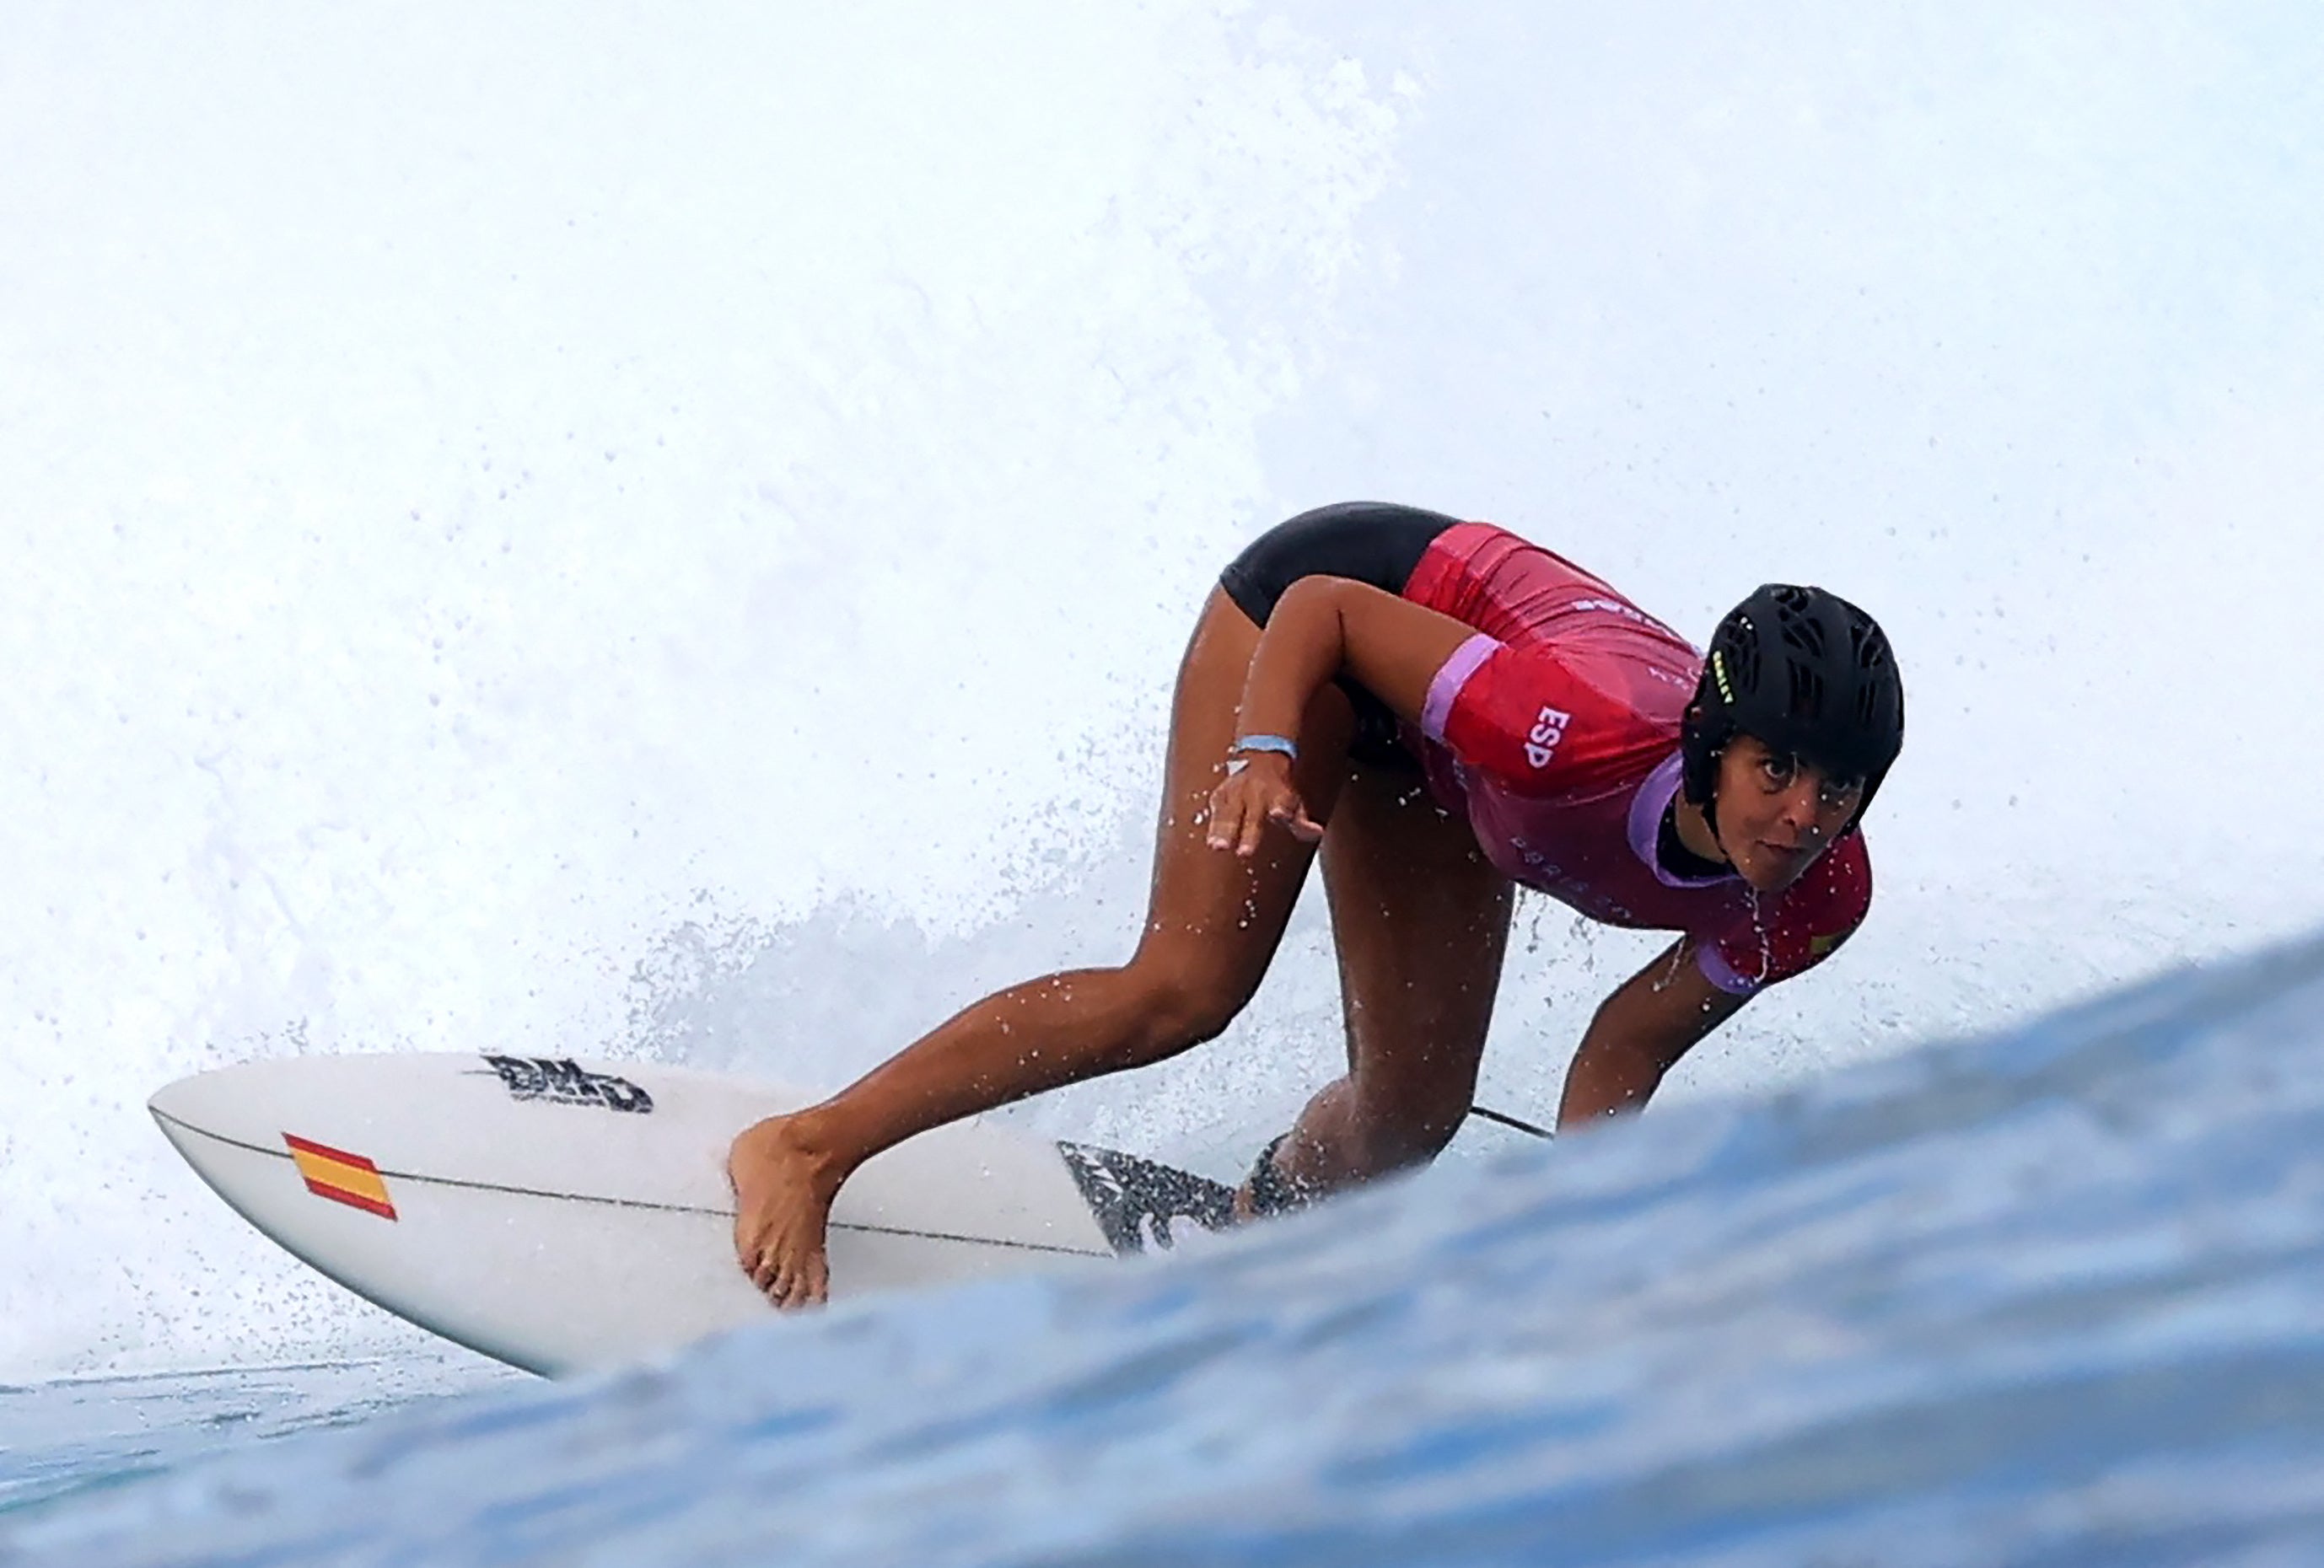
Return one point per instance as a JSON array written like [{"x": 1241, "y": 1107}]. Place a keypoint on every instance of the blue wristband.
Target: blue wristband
[{"x": 1283, "y": 744}]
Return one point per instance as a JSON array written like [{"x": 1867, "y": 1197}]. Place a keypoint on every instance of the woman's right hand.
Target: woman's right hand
[{"x": 1251, "y": 796}]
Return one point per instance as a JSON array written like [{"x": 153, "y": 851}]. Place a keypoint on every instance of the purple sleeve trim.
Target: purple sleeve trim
[
  {"x": 1720, "y": 973},
  {"x": 1446, "y": 685}
]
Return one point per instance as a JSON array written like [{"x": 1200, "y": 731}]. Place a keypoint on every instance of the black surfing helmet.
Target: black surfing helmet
[{"x": 1805, "y": 672}]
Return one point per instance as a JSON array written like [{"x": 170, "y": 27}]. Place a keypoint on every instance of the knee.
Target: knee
[{"x": 1183, "y": 1006}]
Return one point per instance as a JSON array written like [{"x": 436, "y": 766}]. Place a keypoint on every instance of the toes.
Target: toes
[{"x": 793, "y": 1287}]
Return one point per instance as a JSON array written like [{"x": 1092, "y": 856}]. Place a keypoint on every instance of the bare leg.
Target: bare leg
[
  {"x": 1421, "y": 920},
  {"x": 1212, "y": 927}
]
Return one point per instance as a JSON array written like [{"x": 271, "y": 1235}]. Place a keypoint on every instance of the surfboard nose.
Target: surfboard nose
[
  {"x": 232, "y": 1092},
  {"x": 204, "y": 1100},
  {"x": 175, "y": 1102}
]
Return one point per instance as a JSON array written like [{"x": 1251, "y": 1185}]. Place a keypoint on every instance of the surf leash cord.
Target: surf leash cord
[{"x": 1489, "y": 1114}]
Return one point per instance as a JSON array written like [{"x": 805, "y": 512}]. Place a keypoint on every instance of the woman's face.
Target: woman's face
[{"x": 1778, "y": 813}]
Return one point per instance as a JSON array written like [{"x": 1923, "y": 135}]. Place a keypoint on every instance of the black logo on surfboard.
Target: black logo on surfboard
[
  {"x": 568, "y": 1083},
  {"x": 1135, "y": 1201}
]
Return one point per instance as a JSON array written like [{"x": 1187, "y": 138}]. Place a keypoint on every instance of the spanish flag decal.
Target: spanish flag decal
[{"x": 341, "y": 1176}]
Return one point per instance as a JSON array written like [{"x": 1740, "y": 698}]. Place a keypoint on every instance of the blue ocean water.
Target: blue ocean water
[
  {"x": 2054, "y": 1295},
  {"x": 66, "y": 1438}
]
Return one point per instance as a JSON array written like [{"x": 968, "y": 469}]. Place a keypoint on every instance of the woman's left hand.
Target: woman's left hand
[{"x": 1251, "y": 796}]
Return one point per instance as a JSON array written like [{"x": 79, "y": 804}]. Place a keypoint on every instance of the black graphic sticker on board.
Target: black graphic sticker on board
[
  {"x": 568, "y": 1083},
  {"x": 1136, "y": 1200}
]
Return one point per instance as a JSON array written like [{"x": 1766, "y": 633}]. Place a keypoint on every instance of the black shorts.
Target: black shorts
[{"x": 1372, "y": 542}]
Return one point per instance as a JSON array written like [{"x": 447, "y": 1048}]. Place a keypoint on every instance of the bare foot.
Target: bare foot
[{"x": 783, "y": 1190}]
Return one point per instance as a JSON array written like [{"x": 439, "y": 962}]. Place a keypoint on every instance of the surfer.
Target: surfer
[{"x": 1443, "y": 711}]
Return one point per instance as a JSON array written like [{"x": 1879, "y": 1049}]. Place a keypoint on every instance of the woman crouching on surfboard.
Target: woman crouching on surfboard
[{"x": 1446, "y": 711}]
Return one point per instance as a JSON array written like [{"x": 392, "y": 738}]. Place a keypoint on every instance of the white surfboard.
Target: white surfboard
[{"x": 563, "y": 1216}]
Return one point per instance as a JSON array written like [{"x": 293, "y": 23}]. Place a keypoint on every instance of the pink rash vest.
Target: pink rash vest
[{"x": 1555, "y": 731}]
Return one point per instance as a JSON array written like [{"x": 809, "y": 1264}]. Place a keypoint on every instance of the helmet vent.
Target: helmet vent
[
  {"x": 1807, "y": 692},
  {"x": 1870, "y": 644},
  {"x": 1804, "y": 634}
]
